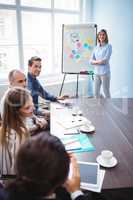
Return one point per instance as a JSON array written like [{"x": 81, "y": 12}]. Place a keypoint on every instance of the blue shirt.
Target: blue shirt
[
  {"x": 102, "y": 52},
  {"x": 37, "y": 90}
]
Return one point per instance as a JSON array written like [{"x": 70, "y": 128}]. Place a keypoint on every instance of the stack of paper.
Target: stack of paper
[
  {"x": 72, "y": 122},
  {"x": 72, "y": 144}
]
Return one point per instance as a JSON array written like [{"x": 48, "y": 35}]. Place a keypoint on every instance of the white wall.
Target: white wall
[{"x": 116, "y": 16}]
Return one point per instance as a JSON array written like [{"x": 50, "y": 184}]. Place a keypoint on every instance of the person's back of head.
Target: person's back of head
[{"x": 42, "y": 165}]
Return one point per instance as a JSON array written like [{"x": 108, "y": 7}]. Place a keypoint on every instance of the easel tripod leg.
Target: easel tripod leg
[
  {"x": 62, "y": 84},
  {"x": 77, "y": 86}
]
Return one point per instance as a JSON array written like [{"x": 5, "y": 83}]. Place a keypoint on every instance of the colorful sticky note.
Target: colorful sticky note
[
  {"x": 85, "y": 45},
  {"x": 77, "y": 56},
  {"x": 79, "y": 44},
  {"x": 74, "y": 51},
  {"x": 71, "y": 56}
]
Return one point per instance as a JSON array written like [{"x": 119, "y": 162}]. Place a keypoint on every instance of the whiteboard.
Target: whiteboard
[{"x": 78, "y": 41}]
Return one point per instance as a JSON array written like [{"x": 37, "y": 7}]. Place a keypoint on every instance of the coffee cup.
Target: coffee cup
[
  {"x": 106, "y": 156},
  {"x": 75, "y": 110}
]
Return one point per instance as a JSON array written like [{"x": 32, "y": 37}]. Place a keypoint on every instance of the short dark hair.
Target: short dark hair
[
  {"x": 42, "y": 165},
  {"x": 32, "y": 59}
]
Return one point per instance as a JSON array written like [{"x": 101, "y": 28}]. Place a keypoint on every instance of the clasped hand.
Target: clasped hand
[{"x": 72, "y": 184}]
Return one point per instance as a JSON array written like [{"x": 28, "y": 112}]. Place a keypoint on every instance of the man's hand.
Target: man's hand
[
  {"x": 63, "y": 97},
  {"x": 73, "y": 183}
]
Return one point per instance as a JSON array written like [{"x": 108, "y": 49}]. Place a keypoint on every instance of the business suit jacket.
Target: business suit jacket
[{"x": 61, "y": 194}]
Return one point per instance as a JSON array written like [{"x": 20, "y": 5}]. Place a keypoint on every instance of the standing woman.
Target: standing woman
[
  {"x": 18, "y": 106},
  {"x": 100, "y": 59}
]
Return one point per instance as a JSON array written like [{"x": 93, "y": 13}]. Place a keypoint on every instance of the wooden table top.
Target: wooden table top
[{"x": 113, "y": 120}]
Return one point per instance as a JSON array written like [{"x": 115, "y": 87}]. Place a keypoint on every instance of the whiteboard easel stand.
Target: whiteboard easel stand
[{"x": 81, "y": 73}]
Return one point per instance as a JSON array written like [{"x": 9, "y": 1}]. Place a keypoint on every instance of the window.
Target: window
[
  {"x": 67, "y": 4},
  {"x": 8, "y": 41},
  {"x": 34, "y": 27},
  {"x": 7, "y": 1},
  {"x": 37, "y": 38},
  {"x": 37, "y": 3}
]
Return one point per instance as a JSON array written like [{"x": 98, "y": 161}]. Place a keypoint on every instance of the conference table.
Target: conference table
[{"x": 113, "y": 121}]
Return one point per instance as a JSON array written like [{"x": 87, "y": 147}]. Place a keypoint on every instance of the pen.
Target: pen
[
  {"x": 74, "y": 149},
  {"x": 72, "y": 133}
]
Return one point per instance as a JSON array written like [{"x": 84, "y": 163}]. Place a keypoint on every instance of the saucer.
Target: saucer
[
  {"x": 87, "y": 128},
  {"x": 112, "y": 163}
]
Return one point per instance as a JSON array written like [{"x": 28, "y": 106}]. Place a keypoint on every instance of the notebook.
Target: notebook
[
  {"x": 78, "y": 143},
  {"x": 72, "y": 144}
]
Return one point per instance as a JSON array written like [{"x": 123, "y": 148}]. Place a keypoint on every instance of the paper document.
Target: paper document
[
  {"x": 72, "y": 122},
  {"x": 81, "y": 143},
  {"x": 72, "y": 144}
]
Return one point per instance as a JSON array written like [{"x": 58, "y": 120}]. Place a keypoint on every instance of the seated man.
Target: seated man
[
  {"x": 17, "y": 78},
  {"x": 34, "y": 69}
]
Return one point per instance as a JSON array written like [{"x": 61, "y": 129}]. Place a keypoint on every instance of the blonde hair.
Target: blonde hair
[{"x": 15, "y": 99}]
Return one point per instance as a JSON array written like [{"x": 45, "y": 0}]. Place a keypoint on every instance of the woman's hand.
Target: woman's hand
[
  {"x": 41, "y": 122},
  {"x": 72, "y": 184},
  {"x": 98, "y": 62}
]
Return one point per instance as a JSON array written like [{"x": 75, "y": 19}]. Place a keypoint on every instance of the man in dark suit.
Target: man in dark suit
[{"x": 42, "y": 172}]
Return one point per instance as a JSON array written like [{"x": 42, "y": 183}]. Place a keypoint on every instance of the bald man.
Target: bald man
[
  {"x": 18, "y": 78},
  {"x": 15, "y": 78}
]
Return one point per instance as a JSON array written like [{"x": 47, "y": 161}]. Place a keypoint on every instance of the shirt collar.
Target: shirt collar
[
  {"x": 30, "y": 75},
  {"x": 102, "y": 44},
  {"x": 52, "y": 196}
]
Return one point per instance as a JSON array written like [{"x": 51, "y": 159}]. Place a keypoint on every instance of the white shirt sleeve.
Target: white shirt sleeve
[{"x": 75, "y": 194}]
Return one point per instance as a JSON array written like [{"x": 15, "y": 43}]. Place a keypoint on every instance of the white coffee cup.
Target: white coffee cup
[
  {"x": 75, "y": 110},
  {"x": 106, "y": 156}
]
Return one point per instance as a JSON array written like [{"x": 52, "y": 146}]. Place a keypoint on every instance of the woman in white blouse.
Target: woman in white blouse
[
  {"x": 18, "y": 106},
  {"x": 100, "y": 60}
]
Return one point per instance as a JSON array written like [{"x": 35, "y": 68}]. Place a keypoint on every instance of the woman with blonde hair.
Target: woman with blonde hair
[
  {"x": 100, "y": 60},
  {"x": 18, "y": 106}
]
